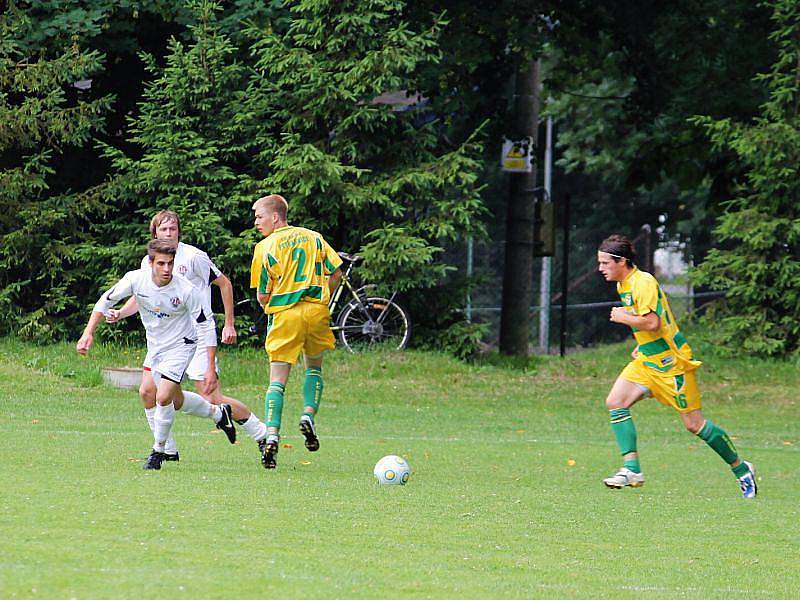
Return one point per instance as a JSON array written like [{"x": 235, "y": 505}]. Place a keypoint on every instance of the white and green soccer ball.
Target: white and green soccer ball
[{"x": 391, "y": 470}]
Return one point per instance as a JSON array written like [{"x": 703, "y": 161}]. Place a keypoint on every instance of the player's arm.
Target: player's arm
[
  {"x": 122, "y": 289},
  {"x": 334, "y": 279},
  {"x": 131, "y": 307},
  {"x": 226, "y": 291},
  {"x": 649, "y": 322},
  {"x": 87, "y": 338}
]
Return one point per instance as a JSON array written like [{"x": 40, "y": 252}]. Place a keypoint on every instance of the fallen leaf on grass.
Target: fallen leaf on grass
[
  {"x": 305, "y": 462},
  {"x": 287, "y": 445},
  {"x": 570, "y": 462}
]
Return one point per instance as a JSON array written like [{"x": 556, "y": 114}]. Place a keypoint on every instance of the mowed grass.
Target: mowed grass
[{"x": 505, "y": 497}]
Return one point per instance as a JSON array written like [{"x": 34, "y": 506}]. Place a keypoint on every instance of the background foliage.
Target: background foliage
[{"x": 203, "y": 107}]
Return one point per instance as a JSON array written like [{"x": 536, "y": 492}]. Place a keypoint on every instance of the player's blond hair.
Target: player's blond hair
[
  {"x": 274, "y": 203},
  {"x": 162, "y": 216}
]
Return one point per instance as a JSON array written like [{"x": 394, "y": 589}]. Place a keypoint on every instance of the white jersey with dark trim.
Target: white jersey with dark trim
[
  {"x": 196, "y": 266},
  {"x": 173, "y": 315}
]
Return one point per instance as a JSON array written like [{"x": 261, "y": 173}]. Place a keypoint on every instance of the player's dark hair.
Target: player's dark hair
[
  {"x": 161, "y": 247},
  {"x": 620, "y": 247},
  {"x": 160, "y": 217}
]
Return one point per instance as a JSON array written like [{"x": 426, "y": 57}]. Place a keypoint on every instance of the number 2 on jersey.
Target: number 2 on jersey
[{"x": 299, "y": 255}]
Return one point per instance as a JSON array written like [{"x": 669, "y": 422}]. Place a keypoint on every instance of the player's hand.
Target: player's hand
[
  {"x": 229, "y": 334},
  {"x": 210, "y": 383},
  {"x": 635, "y": 352},
  {"x": 83, "y": 345},
  {"x": 113, "y": 315},
  {"x": 618, "y": 315}
]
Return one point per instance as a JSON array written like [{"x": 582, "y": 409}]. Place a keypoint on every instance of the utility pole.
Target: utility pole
[
  {"x": 547, "y": 261},
  {"x": 518, "y": 263}
]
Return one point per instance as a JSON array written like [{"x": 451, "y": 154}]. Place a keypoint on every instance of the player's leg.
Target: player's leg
[
  {"x": 278, "y": 376},
  {"x": 285, "y": 336},
  {"x": 194, "y": 404},
  {"x": 319, "y": 338},
  {"x": 628, "y": 389},
  {"x": 239, "y": 412},
  {"x": 167, "y": 390},
  {"x": 147, "y": 392},
  {"x": 712, "y": 434}
]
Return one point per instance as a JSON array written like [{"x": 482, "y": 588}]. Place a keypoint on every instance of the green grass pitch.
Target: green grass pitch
[{"x": 505, "y": 497}]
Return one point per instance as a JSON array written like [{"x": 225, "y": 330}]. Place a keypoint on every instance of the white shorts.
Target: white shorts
[
  {"x": 196, "y": 368},
  {"x": 196, "y": 371},
  {"x": 171, "y": 363}
]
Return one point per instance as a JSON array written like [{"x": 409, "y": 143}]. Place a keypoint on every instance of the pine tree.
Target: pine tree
[
  {"x": 43, "y": 116},
  {"x": 758, "y": 262},
  {"x": 375, "y": 177}
]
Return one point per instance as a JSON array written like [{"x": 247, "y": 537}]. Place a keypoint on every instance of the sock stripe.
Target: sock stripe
[{"x": 618, "y": 415}]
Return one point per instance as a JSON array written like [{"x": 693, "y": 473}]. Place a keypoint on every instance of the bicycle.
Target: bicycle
[{"x": 367, "y": 321}]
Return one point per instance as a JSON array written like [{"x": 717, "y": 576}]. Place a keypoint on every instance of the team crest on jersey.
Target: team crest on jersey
[
  {"x": 627, "y": 298},
  {"x": 183, "y": 269},
  {"x": 175, "y": 301}
]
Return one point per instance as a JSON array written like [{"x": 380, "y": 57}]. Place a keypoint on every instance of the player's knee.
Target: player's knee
[
  {"x": 692, "y": 426},
  {"x": 614, "y": 402}
]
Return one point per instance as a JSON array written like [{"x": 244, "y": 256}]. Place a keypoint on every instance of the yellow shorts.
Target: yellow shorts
[
  {"x": 305, "y": 327},
  {"x": 679, "y": 391}
]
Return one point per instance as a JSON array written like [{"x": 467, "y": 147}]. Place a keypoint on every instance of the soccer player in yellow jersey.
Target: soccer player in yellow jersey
[
  {"x": 298, "y": 271},
  {"x": 662, "y": 366}
]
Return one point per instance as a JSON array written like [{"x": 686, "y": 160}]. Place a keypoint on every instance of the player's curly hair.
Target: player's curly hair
[
  {"x": 620, "y": 247},
  {"x": 160, "y": 217}
]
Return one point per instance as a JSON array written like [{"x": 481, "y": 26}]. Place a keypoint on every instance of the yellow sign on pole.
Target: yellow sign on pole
[{"x": 517, "y": 155}]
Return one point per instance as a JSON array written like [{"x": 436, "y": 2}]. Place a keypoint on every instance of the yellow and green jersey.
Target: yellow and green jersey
[
  {"x": 295, "y": 268},
  {"x": 258, "y": 260},
  {"x": 665, "y": 349}
]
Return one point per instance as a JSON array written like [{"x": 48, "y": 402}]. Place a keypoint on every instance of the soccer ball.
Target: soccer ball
[{"x": 391, "y": 470}]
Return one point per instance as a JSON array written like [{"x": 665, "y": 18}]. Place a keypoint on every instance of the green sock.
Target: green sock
[
  {"x": 273, "y": 404},
  {"x": 633, "y": 465},
  {"x": 312, "y": 391},
  {"x": 740, "y": 470},
  {"x": 715, "y": 436},
  {"x": 625, "y": 432}
]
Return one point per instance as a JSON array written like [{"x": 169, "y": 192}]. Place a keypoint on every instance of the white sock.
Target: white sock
[
  {"x": 194, "y": 404},
  {"x": 162, "y": 421},
  {"x": 171, "y": 447},
  {"x": 149, "y": 414},
  {"x": 254, "y": 427}
]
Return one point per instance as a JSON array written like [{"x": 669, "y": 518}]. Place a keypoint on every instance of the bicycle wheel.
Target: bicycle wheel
[{"x": 374, "y": 323}]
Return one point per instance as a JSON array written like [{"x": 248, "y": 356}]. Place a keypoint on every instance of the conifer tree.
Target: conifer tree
[
  {"x": 376, "y": 177},
  {"x": 43, "y": 116},
  {"x": 758, "y": 261}
]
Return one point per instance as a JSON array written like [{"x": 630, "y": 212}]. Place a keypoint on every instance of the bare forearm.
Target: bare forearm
[{"x": 226, "y": 291}]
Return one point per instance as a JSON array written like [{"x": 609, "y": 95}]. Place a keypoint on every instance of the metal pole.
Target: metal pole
[
  {"x": 547, "y": 261},
  {"x": 565, "y": 277},
  {"x": 469, "y": 277}
]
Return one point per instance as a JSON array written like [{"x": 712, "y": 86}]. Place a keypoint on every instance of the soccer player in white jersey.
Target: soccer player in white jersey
[
  {"x": 196, "y": 266},
  {"x": 173, "y": 315}
]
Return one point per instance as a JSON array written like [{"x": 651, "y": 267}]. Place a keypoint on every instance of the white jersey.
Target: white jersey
[
  {"x": 196, "y": 266},
  {"x": 172, "y": 315}
]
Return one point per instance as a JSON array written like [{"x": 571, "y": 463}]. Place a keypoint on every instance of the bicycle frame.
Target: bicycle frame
[{"x": 333, "y": 304}]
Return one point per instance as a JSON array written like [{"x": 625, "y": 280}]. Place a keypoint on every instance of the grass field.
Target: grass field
[{"x": 505, "y": 497}]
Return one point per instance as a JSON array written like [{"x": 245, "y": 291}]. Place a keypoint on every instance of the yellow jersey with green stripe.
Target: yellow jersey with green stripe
[
  {"x": 664, "y": 350},
  {"x": 295, "y": 268}
]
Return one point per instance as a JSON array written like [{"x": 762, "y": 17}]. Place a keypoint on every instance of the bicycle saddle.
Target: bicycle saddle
[{"x": 353, "y": 258}]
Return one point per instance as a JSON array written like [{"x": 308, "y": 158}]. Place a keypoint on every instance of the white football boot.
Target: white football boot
[{"x": 624, "y": 478}]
